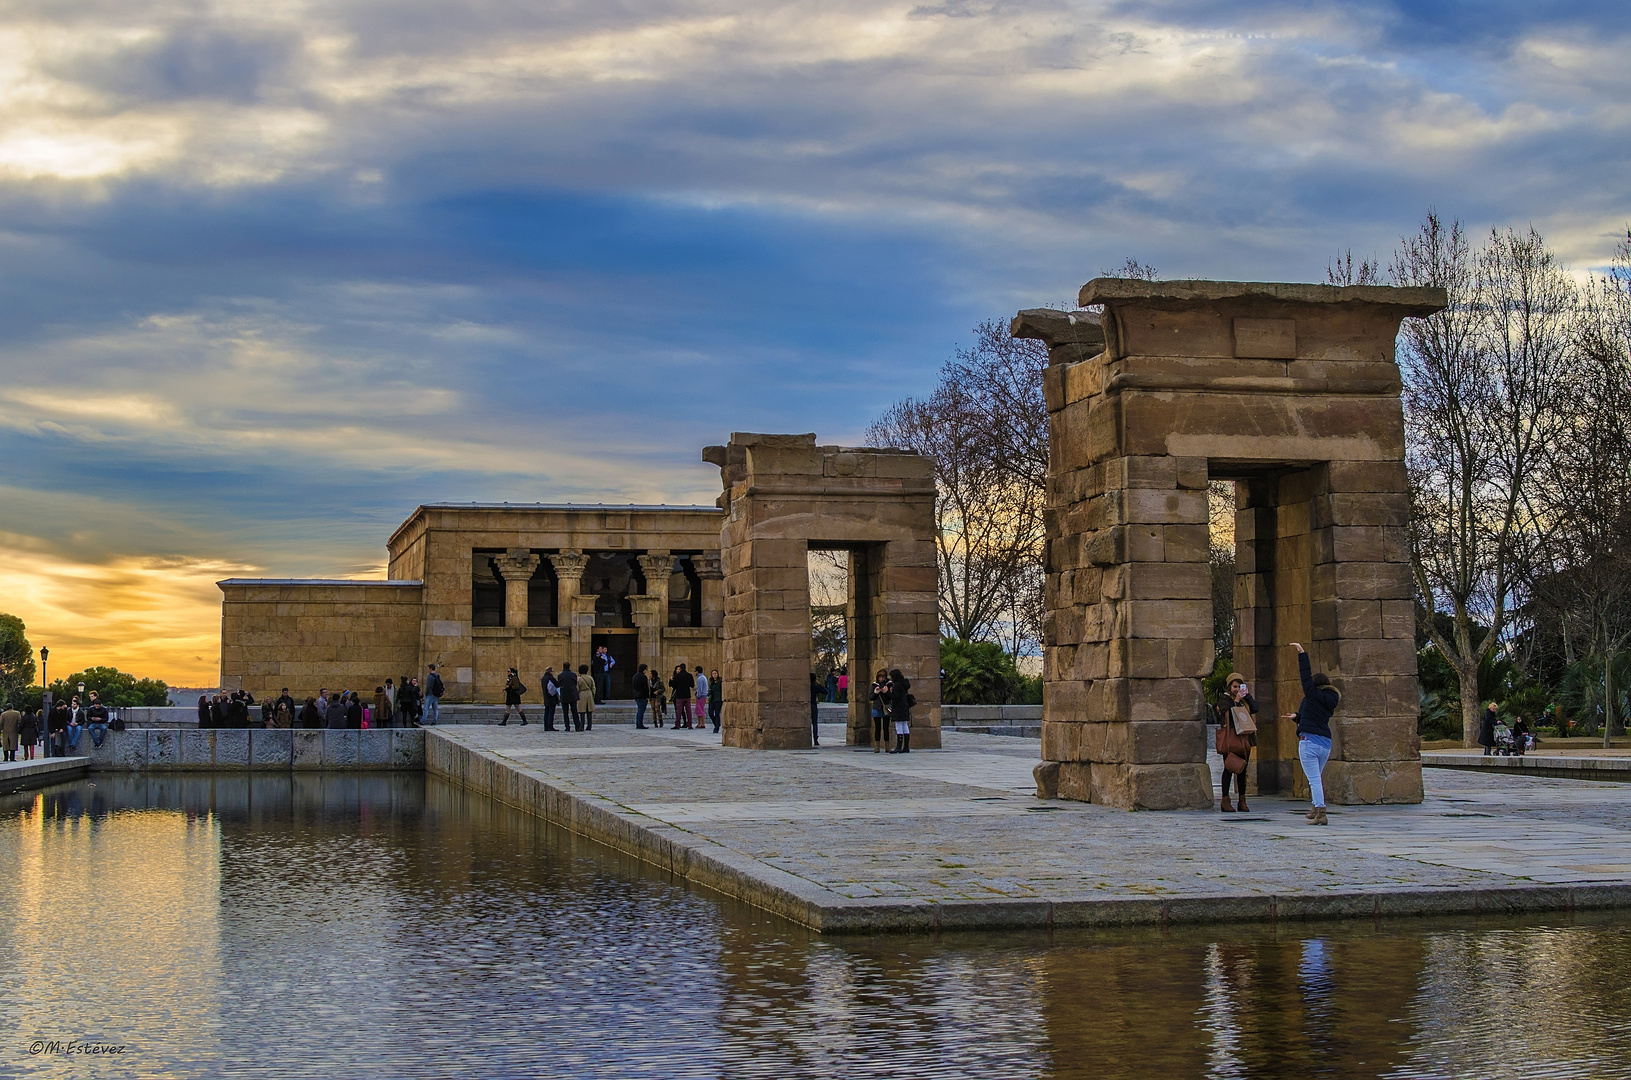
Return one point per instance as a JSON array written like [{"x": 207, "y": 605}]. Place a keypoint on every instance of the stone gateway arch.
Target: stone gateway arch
[{"x": 1292, "y": 392}]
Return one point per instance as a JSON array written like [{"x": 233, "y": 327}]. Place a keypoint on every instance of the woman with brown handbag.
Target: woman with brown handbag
[{"x": 1237, "y": 734}]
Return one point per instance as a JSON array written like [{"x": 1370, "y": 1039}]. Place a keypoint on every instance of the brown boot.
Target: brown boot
[
  {"x": 1242, "y": 804},
  {"x": 1225, "y": 807},
  {"x": 1317, "y": 816}
]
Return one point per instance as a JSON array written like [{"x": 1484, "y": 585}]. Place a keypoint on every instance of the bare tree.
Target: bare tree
[
  {"x": 1583, "y": 572},
  {"x": 986, "y": 426},
  {"x": 1485, "y": 385},
  {"x": 1342, "y": 271}
]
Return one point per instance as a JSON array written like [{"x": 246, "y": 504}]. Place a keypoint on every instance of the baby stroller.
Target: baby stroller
[{"x": 1509, "y": 744}]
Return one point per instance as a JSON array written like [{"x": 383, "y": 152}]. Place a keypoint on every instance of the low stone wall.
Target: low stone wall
[
  {"x": 162, "y": 749},
  {"x": 1571, "y": 767},
  {"x": 991, "y": 714}
]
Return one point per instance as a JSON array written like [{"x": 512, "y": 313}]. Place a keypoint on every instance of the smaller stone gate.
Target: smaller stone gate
[{"x": 784, "y": 497}]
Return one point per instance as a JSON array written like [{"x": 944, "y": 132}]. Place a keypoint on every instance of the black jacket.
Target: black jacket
[
  {"x": 1486, "y": 728},
  {"x": 1319, "y": 702},
  {"x": 642, "y": 686},
  {"x": 683, "y": 684},
  {"x": 900, "y": 704},
  {"x": 567, "y": 680}
]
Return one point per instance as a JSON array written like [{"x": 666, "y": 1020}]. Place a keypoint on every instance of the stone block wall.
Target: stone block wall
[
  {"x": 1292, "y": 392},
  {"x": 784, "y": 496},
  {"x": 307, "y": 634},
  {"x": 256, "y": 749}
]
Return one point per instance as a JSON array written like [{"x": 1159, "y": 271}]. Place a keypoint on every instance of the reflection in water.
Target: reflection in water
[{"x": 394, "y": 926}]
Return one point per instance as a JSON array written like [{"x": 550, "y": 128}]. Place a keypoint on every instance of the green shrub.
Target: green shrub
[{"x": 981, "y": 673}]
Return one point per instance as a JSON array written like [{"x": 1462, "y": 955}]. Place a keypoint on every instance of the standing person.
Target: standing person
[
  {"x": 586, "y": 698},
  {"x": 659, "y": 696},
  {"x": 1237, "y": 735},
  {"x": 716, "y": 698},
  {"x": 57, "y": 730},
  {"x": 416, "y": 705},
  {"x": 322, "y": 703},
  {"x": 10, "y": 721},
  {"x": 283, "y": 712},
  {"x": 203, "y": 711},
  {"x": 512, "y": 698},
  {"x": 353, "y": 712},
  {"x": 28, "y": 733},
  {"x": 700, "y": 681},
  {"x": 334, "y": 715},
  {"x": 552, "y": 697},
  {"x": 434, "y": 689},
  {"x": 96, "y": 718},
  {"x": 880, "y": 706},
  {"x": 815, "y": 712},
  {"x": 390, "y": 697},
  {"x": 568, "y": 680},
  {"x": 1313, "y": 716},
  {"x": 843, "y": 684},
  {"x": 900, "y": 710},
  {"x": 681, "y": 683},
  {"x": 382, "y": 708},
  {"x": 832, "y": 684},
  {"x": 309, "y": 716},
  {"x": 1486, "y": 729},
  {"x": 642, "y": 696},
  {"x": 603, "y": 673}
]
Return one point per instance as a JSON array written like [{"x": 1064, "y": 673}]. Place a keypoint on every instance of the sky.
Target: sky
[{"x": 272, "y": 274}]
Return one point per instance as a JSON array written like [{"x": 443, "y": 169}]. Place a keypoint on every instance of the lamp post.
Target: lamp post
[{"x": 45, "y": 683}]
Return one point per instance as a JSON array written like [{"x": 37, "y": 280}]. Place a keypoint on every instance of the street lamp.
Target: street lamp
[{"x": 45, "y": 683}]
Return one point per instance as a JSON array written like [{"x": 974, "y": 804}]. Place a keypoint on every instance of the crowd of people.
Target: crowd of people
[
  {"x": 396, "y": 703},
  {"x": 22, "y": 731},
  {"x": 692, "y": 699}
]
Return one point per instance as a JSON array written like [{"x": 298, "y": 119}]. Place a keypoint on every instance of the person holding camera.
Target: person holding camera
[
  {"x": 1237, "y": 734},
  {"x": 1313, "y": 716}
]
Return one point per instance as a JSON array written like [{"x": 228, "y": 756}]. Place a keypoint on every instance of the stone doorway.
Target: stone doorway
[
  {"x": 1291, "y": 391},
  {"x": 785, "y": 496},
  {"x": 624, "y": 647}
]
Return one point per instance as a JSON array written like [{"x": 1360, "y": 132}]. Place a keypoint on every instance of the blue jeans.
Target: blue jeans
[
  {"x": 74, "y": 732},
  {"x": 98, "y": 733},
  {"x": 640, "y": 712},
  {"x": 430, "y": 714},
  {"x": 1314, "y": 751}
]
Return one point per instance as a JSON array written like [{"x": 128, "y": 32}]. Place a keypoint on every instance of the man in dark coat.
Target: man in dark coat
[
  {"x": 642, "y": 692},
  {"x": 568, "y": 682}
]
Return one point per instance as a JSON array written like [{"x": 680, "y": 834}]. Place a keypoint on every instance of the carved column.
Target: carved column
[
  {"x": 517, "y": 566},
  {"x": 651, "y": 610},
  {"x": 569, "y": 566},
  {"x": 710, "y": 569}
]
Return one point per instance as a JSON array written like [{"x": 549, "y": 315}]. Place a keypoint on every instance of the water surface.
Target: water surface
[{"x": 292, "y": 926}]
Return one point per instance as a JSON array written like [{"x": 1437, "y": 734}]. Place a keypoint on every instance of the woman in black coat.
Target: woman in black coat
[
  {"x": 1486, "y": 729},
  {"x": 309, "y": 716},
  {"x": 353, "y": 712},
  {"x": 203, "y": 711},
  {"x": 900, "y": 710}
]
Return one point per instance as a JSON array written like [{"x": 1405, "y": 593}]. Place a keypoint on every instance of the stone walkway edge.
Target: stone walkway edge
[{"x": 715, "y": 867}]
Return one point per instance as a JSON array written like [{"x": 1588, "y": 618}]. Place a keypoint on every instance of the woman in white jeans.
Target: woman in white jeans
[{"x": 1313, "y": 716}]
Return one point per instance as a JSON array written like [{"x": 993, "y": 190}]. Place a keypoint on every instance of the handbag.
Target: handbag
[
  {"x": 1235, "y": 764},
  {"x": 1242, "y": 720}
]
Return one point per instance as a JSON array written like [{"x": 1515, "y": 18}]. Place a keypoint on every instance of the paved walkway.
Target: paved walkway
[
  {"x": 959, "y": 836},
  {"x": 17, "y": 775}
]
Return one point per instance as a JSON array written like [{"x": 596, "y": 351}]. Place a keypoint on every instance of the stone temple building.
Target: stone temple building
[{"x": 479, "y": 588}]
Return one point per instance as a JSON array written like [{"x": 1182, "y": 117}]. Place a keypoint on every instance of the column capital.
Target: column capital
[
  {"x": 655, "y": 564},
  {"x": 517, "y": 564},
  {"x": 569, "y": 565},
  {"x": 709, "y": 566}
]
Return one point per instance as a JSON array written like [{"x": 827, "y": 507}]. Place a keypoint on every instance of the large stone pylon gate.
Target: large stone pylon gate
[
  {"x": 1292, "y": 392},
  {"x": 786, "y": 496}
]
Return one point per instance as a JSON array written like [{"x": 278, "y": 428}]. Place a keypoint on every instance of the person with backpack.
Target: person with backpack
[
  {"x": 434, "y": 689},
  {"x": 568, "y": 682},
  {"x": 1313, "y": 716},
  {"x": 642, "y": 696},
  {"x": 513, "y": 689}
]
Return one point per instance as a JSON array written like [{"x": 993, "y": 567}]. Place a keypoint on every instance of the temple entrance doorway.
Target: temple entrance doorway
[{"x": 624, "y": 646}]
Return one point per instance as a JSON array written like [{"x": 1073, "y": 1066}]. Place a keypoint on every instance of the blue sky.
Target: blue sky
[{"x": 275, "y": 272}]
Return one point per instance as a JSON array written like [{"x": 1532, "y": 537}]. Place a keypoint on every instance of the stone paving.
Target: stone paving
[{"x": 962, "y": 825}]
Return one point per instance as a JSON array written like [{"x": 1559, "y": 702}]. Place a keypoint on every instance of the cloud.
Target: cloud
[{"x": 276, "y": 272}]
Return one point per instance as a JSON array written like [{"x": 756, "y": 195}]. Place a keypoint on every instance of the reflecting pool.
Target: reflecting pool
[{"x": 395, "y": 927}]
